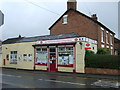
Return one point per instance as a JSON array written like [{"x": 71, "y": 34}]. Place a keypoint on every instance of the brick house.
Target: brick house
[
  {"x": 74, "y": 21},
  {"x": 117, "y": 46}
]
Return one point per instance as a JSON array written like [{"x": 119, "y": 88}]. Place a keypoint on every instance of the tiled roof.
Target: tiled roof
[{"x": 37, "y": 38}]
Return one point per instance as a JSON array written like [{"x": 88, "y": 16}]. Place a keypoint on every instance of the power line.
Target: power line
[{"x": 41, "y": 7}]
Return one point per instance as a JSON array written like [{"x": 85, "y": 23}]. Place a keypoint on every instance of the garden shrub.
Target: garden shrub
[
  {"x": 104, "y": 51},
  {"x": 102, "y": 61},
  {"x": 89, "y": 52}
]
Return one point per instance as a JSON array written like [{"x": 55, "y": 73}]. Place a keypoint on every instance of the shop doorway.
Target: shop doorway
[{"x": 52, "y": 52}]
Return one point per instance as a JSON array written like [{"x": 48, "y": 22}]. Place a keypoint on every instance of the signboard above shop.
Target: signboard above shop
[{"x": 67, "y": 40}]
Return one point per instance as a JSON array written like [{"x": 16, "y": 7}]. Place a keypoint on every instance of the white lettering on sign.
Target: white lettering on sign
[{"x": 58, "y": 41}]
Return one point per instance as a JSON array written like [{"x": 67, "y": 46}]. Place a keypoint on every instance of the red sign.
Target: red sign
[{"x": 87, "y": 45}]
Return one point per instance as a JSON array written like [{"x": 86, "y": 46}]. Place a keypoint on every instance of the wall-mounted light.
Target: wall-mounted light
[{"x": 80, "y": 43}]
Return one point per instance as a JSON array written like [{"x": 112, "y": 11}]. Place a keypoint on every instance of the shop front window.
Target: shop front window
[
  {"x": 41, "y": 55},
  {"x": 65, "y": 56},
  {"x": 13, "y": 57}
]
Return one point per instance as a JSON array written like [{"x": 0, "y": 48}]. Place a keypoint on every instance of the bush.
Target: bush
[
  {"x": 102, "y": 61},
  {"x": 89, "y": 52},
  {"x": 104, "y": 51}
]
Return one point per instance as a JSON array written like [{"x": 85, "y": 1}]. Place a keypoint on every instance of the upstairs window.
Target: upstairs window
[
  {"x": 107, "y": 37},
  {"x": 65, "y": 19},
  {"x": 111, "y": 40},
  {"x": 102, "y": 35}
]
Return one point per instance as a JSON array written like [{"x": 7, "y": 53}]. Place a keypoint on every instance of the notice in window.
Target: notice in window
[{"x": 30, "y": 57}]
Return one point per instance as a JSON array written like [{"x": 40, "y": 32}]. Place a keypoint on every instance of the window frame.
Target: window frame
[
  {"x": 66, "y": 46},
  {"x": 41, "y": 48},
  {"x": 65, "y": 19},
  {"x": 102, "y": 35},
  {"x": 25, "y": 58},
  {"x": 13, "y": 54},
  {"x": 111, "y": 39},
  {"x": 7, "y": 57},
  {"x": 107, "y": 36}
]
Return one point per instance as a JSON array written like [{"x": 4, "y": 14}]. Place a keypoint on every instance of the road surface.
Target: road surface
[{"x": 12, "y": 78}]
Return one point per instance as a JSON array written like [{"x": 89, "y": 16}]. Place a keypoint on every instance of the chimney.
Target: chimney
[
  {"x": 94, "y": 17},
  {"x": 19, "y": 36},
  {"x": 71, "y": 4}
]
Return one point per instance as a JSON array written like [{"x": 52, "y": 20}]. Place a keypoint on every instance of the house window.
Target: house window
[
  {"x": 7, "y": 57},
  {"x": 65, "y": 55},
  {"x": 24, "y": 57},
  {"x": 102, "y": 36},
  {"x": 111, "y": 41},
  {"x": 107, "y": 38},
  {"x": 65, "y": 19},
  {"x": 29, "y": 57},
  {"x": 20, "y": 57},
  {"x": 13, "y": 57},
  {"x": 41, "y": 55}
]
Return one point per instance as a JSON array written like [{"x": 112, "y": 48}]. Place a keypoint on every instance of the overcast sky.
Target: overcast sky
[{"x": 34, "y": 17}]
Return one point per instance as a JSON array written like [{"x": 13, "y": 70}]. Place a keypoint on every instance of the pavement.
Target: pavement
[{"x": 96, "y": 76}]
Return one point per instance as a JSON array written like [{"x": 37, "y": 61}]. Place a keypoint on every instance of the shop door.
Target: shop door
[{"x": 52, "y": 60}]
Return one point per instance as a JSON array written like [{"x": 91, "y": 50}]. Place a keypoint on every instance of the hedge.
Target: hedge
[{"x": 102, "y": 61}]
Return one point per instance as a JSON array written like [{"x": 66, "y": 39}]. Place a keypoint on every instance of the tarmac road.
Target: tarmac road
[{"x": 12, "y": 78}]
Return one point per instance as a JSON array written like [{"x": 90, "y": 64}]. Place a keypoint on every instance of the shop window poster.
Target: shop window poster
[
  {"x": 30, "y": 57},
  {"x": 60, "y": 60},
  {"x": 42, "y": 58},
  {"x": 70, "y": 59},
  {"x": 63, "y": 60},
  {"x": 20, "y": 57},
  {"x": 25, "y": 57}
]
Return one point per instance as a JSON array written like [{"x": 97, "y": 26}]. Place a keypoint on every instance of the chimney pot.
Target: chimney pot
[
  {"x": 94, "y": 17},
  {"x": 19, "y": 36},
  {"x": 71, "y": 4}
]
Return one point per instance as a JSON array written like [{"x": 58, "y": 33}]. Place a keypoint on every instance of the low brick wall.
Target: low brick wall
[{"x": 102, "y": 71}]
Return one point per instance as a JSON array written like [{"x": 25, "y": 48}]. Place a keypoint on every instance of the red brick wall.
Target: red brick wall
[
  {"x": 76, "y": 23},
  {"x": 102, "y": 71},
  {"x": 81, "y": 25},
  {"x": 105, "y": 42}
]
